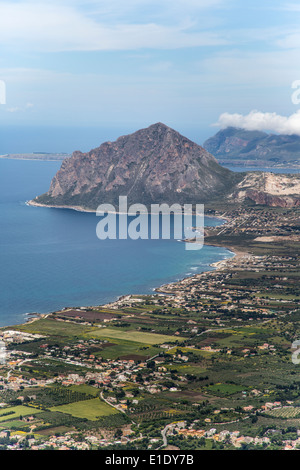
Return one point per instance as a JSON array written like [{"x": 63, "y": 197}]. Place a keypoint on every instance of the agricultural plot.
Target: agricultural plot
[
  {"x": 16, "y": 411},
  {"x": 15, "y": 424},
  {"x": 127, "y": 350},
  {"x": 196, "y": 352},
  {"x": 225, "y": 389},
  {"x": 240, "y": 337},
  {"x": 286, "y": 412},
  {"x": 187, "y": 369},
  {"x": 48, "y": 326},
  {"x": 86, "y": 389},
  {"x": 92, "y": 409},
  {"x": 134, "y": 336}
]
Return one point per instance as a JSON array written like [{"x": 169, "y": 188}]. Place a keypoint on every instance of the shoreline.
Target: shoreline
[
  {"x": 33, "y": 203},
  {"x": 32, "y": 159},
  {"x": 29, "y": 157},
  {"x": 160, "y": 290},
  {"x": 217, "y": 265}
]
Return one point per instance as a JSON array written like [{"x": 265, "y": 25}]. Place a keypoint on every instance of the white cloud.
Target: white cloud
[
  {"x": 258, "y": 121},
  {"x": 55, "y": 27},
  {"x": 157, "y": 8},
  {"x": 293, "y": 7},
  {"x": 290, "y": 41},
  {"x": 14, "y": 109},
  {"x": 17, "y": 109},
  {"x": 251, "y": 69}
]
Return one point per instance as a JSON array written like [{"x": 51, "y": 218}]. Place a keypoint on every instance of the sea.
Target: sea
[{"x": 52, "y": 258}]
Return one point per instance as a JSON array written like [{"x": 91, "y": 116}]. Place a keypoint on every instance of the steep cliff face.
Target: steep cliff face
[
  {"x": 265, "y": 199},
  {"x": 268, "y": 189},
  {"x": 152, "y": 165}
]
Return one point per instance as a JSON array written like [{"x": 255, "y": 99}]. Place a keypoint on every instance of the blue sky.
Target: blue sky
[{"x": 127, "y": 64}]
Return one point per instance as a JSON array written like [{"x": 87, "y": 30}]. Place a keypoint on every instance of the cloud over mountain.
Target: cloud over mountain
[{"x": 259, "y": 121}]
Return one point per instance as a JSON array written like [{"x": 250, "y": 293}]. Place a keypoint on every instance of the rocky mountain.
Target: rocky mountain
[
  {"x": 152, "y": 165},
  {"x": 268, "y": 189},
  {"x": 254, "y": 148}
]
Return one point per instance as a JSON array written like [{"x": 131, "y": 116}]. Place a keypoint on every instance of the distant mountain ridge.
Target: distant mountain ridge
[
  {"x": 152, "y": 165},
  {"x": 239, "y": 145}
]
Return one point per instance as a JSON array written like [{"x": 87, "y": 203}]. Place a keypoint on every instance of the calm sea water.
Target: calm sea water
[
  {"x": 268, "y": 170},
  {"x": 52, "y": 258}
]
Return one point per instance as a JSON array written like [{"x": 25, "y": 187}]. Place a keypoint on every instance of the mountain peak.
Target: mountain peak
[
  {"x": 159, "y": 128},
  {"x": 152, "y": 165},
  {"x": 159, "y": 125}
]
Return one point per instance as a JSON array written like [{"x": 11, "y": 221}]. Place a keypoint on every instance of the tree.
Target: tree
[
  {"x": 120, "y": 394},
  {"x": 151, "y": 365}
]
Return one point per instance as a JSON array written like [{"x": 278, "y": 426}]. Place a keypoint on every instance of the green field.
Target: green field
[
  {"x": 129, "y": 349},
  {"x": 134, "y": 336},
  {"x": 16, "y": 412},
  {"x": 88, "y": 389},
  {"x": 15, "y": 424},
  {"x": 187, "y": 369},
  {"x": 92, "y": 409},
  {"x": 48, "y": 326}
]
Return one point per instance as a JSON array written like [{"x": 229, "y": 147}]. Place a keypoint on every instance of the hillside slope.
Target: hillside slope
[{"x": 238, "y": 146}]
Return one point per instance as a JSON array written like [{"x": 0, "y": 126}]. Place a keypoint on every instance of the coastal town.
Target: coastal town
[
  {"x": 202, "y": 363},
  {"x": 150, "y": 231}
]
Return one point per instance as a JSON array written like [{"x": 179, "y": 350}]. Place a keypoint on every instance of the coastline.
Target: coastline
[
  {"x": 218, "y": 266},
  {"x": 162, "y": 289},
  {"x": 74, "y": 208},
  {"x": 33, "y": 203},
  {"x": 29, "y": 157}
]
